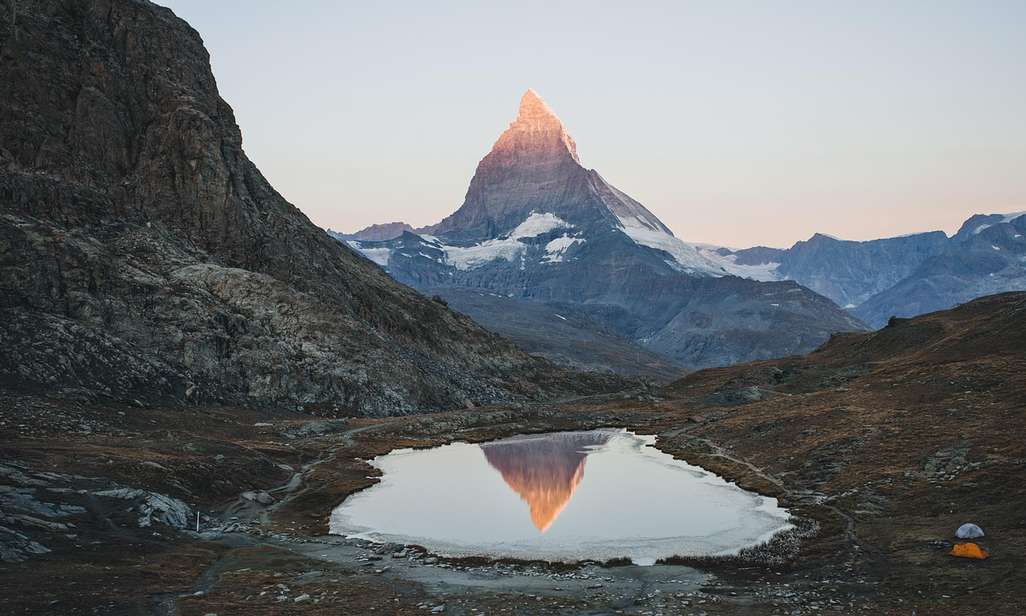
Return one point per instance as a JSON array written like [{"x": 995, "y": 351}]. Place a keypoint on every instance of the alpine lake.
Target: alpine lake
[{"x": 562, "y": 497}]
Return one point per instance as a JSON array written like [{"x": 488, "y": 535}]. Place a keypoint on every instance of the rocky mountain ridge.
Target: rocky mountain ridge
[
  {"x": 144, "y": 257},
  {"x": 903, "y": 276},
  {"x": 374, "y": 233}
]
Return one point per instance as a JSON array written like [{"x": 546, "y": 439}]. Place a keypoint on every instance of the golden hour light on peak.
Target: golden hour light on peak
[
  {"x": 532, "y": 105},
  {"x": 534, "y": 110}
]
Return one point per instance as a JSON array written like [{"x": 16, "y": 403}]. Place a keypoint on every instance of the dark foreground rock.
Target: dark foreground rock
[{"x": 144, "y": 257}]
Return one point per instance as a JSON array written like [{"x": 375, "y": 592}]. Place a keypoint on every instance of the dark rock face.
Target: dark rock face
[
  {"x": 537, "y": 226},
  {"x": 143, "y": 256}
]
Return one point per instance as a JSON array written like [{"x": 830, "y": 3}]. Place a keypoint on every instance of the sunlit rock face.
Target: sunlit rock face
[
  {"x": 534, "y": 167},
  {"x": 536, "y": 131},
  {"x": 544, "y": 471}
]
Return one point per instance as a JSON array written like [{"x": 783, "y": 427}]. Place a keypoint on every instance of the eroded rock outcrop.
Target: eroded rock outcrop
[{"x": 143, "y": 256}]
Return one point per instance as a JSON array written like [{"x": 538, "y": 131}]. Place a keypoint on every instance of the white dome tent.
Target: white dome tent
[{"x": 969, "y": 531}]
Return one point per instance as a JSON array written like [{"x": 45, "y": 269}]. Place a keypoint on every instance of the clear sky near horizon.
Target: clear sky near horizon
[{"x": 737, "y": 123}]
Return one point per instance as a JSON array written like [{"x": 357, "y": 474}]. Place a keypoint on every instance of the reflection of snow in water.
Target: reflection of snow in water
[{"x": 566, "y": 496}]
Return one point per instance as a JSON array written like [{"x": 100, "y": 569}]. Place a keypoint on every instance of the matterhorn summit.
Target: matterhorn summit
[
  {"x": 537, "y": 132},
  {"x": 533, "y": 108},
  {"x": 537, "y": 227},
  {"x": 534, "y": 167}
]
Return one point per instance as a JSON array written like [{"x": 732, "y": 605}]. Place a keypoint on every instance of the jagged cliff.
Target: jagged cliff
[{"x": 143, "y": 256}]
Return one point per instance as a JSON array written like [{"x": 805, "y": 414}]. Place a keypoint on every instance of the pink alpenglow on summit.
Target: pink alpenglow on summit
[
  {"x": 537, "y": 128},
  {"x": 534, "y": 167}
]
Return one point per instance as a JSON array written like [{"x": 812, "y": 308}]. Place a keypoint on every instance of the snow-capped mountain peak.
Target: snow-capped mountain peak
[
  {"x": 533, "y": 168},
  {"x": 537, "y": 226}
]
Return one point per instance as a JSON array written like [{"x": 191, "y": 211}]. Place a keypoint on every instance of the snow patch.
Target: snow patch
[
  {"x": 470, "y": 257},
  {"x": 554, "y": 250},
  {"x": 508, "y": 247},
  {"x": 686, "y": 257},
  {"x": 537, "y": 224},
  {"x": 695, "y": 258},
  {"x": 763, "y": 272},
  {"x": 377, "y": 255}
]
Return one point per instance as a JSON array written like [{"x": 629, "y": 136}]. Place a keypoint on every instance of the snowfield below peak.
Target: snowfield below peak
[
  {"x": 693, "y": 258},
  {"x": 538, "y": 224},
  {"x": 686, "y": 258},
  {"x": 554, "y": 250},
  {"x": 377, "y": 255},
  {"x": 508, "y": 248}
]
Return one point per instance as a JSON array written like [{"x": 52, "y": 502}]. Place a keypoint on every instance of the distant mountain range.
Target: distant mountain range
[
  {"x": 537, "y": 226},
  {"x": 903, "y": 276}
]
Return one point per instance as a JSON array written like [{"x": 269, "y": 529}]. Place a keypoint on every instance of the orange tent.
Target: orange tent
[{"x": 969, "y": 550}]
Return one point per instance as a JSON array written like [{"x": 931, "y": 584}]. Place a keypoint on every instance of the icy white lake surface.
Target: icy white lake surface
[{"x": 563, "y": 496}]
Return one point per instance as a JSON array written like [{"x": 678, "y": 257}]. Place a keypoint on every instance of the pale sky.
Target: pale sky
[{"x": 737, "y": 123}]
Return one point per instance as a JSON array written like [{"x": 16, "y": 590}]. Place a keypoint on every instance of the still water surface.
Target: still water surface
[{"x": 563, "y": 496}]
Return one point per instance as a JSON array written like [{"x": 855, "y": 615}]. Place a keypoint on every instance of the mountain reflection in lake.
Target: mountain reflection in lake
[
  {"x": 635, "y": 501},
  {"x": 544, "y": 470}
]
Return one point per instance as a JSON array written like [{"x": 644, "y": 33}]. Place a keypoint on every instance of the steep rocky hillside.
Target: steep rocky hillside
[
  {"x": 143, "y": 256},
  {"x": 896, "y": 438}
]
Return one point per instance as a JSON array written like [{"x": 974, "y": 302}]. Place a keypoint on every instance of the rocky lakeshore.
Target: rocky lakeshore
[{"x": 880, "y": 472}]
